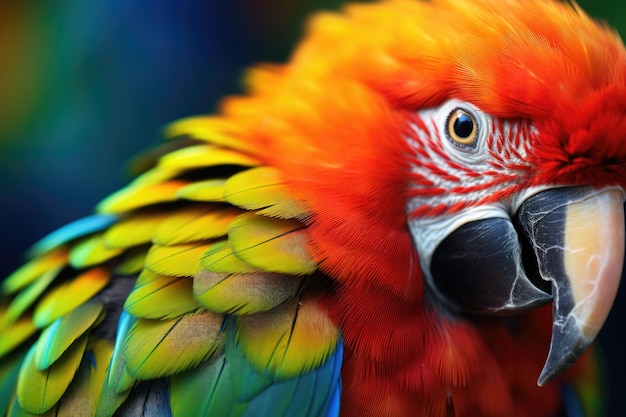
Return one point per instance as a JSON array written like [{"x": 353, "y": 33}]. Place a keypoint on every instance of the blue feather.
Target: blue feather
[
  {"x": 313, "y": 394},
  {"x": 71, "y": 231},
  {"x": 571, "y": 401},
  {"x": 333, "y": 410},
  {"x": 229, "y": 387},
  {"x": 117, "y": 378}
]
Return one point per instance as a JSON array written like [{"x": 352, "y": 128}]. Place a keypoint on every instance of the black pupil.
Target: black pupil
[{"x": 463, "y": 126}]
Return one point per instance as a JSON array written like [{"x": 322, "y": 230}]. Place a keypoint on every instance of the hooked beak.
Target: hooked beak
[{"x": 571, "y": 238}]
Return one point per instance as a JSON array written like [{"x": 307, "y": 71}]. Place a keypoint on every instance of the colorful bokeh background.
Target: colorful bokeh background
[{"x": 84, "y": 86}]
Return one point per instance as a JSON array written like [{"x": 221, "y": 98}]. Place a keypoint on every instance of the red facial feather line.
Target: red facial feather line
[{"x": 446, "y": 178}]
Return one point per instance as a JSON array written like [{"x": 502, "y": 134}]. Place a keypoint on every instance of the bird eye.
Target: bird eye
[{"x": 461, "y": 128}]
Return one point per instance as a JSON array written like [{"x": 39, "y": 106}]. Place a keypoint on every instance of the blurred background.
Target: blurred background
[{"x": 84, "y": 86}]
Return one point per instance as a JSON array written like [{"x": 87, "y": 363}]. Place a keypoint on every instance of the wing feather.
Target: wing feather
[
  {"x": 70, "y": 295},
  {"x": 209, "y": 190},
  {"x": 17, "y": 333},
  {"x": 220, "y": 258},
  {"x": 178, "y": 261},
  {"x": 201, "y": 156},
  {"x": 293, "y": 338},
  {"x": 133, "y": 197},
  {"x": 25, "y": 298},
  {"x": 38, "y": 391},
  {"x": 161, "y": 297},
  {"x": 59, "y": 335},
  {"x": 77, "y": 229},
  {"x": 205, "y": 391},
  {"x": 91, "y": 251},
  {"x": 33, "y": 270},
  {"x": 261, "y": 188},
  {"x": 244, "y": 293},
  {"x": 197, "y": 223},
  {"x": 133, "y": 230},
  {"x": 83, "y": 394},
  {"x": 9, "y": 371},
  {"x": 215, "y": 130},
  {"x": 155, "y": 348},
  {"x": 270, "y": 244}
]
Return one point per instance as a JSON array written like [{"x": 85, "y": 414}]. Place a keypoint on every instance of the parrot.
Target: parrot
[{"x": 419, "y": 213}]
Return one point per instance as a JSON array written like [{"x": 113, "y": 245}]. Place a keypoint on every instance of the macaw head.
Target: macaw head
[{"x": 466, "y": 157}]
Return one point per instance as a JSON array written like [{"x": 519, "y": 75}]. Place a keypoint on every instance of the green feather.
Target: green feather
[
  {"x": 9, "y": 371},
  {"x": 58, "y": 336},
  {"x": 38, "y": 391},
  {"x": 33, "y": 270},
  {"x": 91, "y": 251},
  {"x": 25, "y": 298},
  {"x": 155, "y": 348},
  {"x": 205, "y": 391},
  {"x": 161, "y": 297}
]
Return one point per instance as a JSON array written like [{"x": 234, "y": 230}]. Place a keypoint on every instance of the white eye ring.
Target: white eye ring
[
  {"x": 462, "y": 128},
  {"x": 463, "y": 131}
]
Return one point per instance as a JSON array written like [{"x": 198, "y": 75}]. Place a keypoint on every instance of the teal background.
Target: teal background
[{"x": 84, "y": 86}]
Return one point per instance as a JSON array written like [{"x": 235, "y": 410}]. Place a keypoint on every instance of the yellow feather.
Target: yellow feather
[
  {"x": 261, "y": 188},
  {"x": 244, "y": 293},
  {"x": 91, "y": 251},
  {"x": 153, "y": 176},
  {"x": 136, "y": 196},
  {"x": 177, "y": 261},
  {"x": 25, "y": 298},
  {"x": 32, "y": 270},
  {"x": 204, "y": 156},
  {"x": 220, "y": 258},
  {"x": 38, "y": 391},
  {"x": 81, "y": 398},
  {"x": 158, "y": 297},
  {"x": 69, "y": 295},
  {"x": 155, "y": 348},
  {"x": 132, "y": 262},
  {"x": 195, "y": 224},
  {"x": 210, "y": 190},
  {"x": 273, "y": 245},
  {"x": 210, "y": 129},
  {"x": 289, "y": 340},
  {"x": 59, "y": 335},
  {"x": 15, "y": 334},
  {"x": 134, "y": 230}
]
